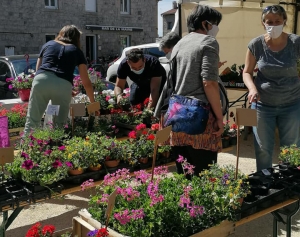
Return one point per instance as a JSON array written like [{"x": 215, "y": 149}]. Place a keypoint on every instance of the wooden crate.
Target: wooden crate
[
  {"x": 14, "y": 134},
  {"x": 85, "y": 223}
]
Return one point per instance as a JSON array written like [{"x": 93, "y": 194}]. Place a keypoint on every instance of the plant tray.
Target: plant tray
[{"x": 85, "y": 223}]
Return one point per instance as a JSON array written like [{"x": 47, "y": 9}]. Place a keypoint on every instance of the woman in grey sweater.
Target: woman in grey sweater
[{"x": 197, "y": 57}]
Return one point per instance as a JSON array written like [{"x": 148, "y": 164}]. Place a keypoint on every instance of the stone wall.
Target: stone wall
[{"x": 25, "y": 24}]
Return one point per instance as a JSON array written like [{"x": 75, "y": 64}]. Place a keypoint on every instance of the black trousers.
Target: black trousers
[{"x": 197, "y": 157}]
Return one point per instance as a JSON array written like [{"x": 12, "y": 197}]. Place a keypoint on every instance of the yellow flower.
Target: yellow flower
[
  {"x": 284, "y": 151},
  {"x": 227, "y": 182},
  {"x": 70, "y": 156}
]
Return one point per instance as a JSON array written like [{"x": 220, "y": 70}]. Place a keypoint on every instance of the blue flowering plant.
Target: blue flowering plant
[
  {"x": 38, "y": 162},
  {"x": 146, "y": 207}
]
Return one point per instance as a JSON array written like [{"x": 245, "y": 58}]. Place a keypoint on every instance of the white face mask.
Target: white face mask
[
  {"x": 213, "y": 31},
  {"x": 274, "y": 31},
  {"x": 139, "y": 71},
  {"x": 168, "y": 55}
]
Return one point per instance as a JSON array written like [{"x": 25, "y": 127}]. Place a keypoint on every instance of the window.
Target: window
[
  {"x": 9, "y": 50},
  {"x": 170, "y": 25},
  {"x": 50, "y": 37},
  {"x": 124, "y": 6},
  {"x": 90, "y": 5},
  {"x": 124, "y": 41},
  {"x": 51, "y": 4}
]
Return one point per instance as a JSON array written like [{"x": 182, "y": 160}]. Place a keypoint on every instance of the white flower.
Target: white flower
[
  {"x": 111, "y": 101},
  {"x": 105, "y": 92}
]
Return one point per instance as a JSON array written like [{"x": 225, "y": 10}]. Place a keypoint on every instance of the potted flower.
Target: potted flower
[
  {"x": 37, "y": 230},
  {"x": 114, "y": 151},
  {"x": 233, "y": 135},
  {"x": 148, "y": 208},
  {"x": 22, "y": 83},
  {"x": 225, "y": 134},
  {"x": 77, "y": 152},
  {"x": 164, "y": 150},
  {"x": 37, "y": 163},
  {"x": 290, "y": 155},
  {"x": 16, "y": 119}
]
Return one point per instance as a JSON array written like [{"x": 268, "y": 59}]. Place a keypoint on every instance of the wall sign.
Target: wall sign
[{"x": 113, "y": 28}]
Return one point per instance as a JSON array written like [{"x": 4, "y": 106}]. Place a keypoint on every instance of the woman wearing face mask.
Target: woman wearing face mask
[
  {"x": 197, "y": 59},
  {"x": 275, "y": 92}
]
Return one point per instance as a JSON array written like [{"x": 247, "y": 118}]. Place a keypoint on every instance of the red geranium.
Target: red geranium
[{"x": 37, "y": 231}]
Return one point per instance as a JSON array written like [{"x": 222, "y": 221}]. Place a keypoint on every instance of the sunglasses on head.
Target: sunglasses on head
[{"x": 274, "y": 8}]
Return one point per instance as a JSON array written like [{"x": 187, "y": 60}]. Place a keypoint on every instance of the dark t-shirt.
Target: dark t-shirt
[
  {"x": 60, "y": 59},
  {"x": 140, "y": 89}
]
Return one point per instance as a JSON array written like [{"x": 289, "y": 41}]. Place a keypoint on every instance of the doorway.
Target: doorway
[{"x": 91, "y": 49}]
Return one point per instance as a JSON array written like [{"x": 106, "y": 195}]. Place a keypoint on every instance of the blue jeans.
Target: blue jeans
[{"x": 286, "y": 118}]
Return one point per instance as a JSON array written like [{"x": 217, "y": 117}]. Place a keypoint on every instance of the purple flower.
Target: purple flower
[
  {"x": 24, "y": 155},
  {"x": 9, "y": 79},
  {"x": 123, "y": 217},
  {"x": 56, "y": 164},
  {"x": 66, "y": 126},
  {"x": 180, "y": 159},
  {"x": 92, "y": 233},
  {"x": 69, "y": 164},
  {"x": 48, "y": 152},
  {"x": 61, "y": 148},
  {"x": 10, "y": 87},
  {"x": 27, "y": 164}
]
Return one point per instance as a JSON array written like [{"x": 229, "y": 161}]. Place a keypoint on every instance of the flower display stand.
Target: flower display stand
[{"x": 84, "y": 223}]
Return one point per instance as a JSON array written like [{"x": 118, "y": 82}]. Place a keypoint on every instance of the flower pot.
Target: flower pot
[
  {"x": 225, "y": 142},
  {"x": 165, "y": 154},
  {"x": 112, "y": 163},
  {"x": 232, "y": 141},
  {"x": 95, "y": 168},
  {"x": 143, "y": 160},
  {"x": 24, "y": 94},
  {"x": 73, "y": 172}
]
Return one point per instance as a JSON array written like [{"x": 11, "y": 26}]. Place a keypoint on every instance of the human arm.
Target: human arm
[
  {"x": 250, "y": 63},
  {"x": 86, "y": 82},
  {"x": 119, "y": 87},
  {"x": 38, "y": 64},
  {"x": 154, "y": 91},
  {"x": 211, "y": 89}
]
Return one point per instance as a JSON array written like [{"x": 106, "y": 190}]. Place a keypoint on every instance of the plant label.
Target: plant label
[
  {"x": 111, "y": 203},
  {"x": 163, "y": 134},
  {"x": 246, "y": 117},
  {"x": 77, "y": 109},
  {"x": 93, "y": 107},
  {"x": 52, "y": 109},
  {"x": 93, "y": 78},
  {"x": 7, "y": 155}
]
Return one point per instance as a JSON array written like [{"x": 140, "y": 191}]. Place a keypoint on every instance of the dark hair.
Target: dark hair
[
  {"x": 202, "y": 13},
  {"x": 275, "y": 9},
  {"x": 169, "y": 40},
  {"x": 69, "y": 34},
  {"x": 134, "y": 55}
]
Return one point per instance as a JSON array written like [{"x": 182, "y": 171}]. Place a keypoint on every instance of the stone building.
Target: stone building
[
  {"x": 107, "y": 25},
  {"x": 169, "y": 18}
]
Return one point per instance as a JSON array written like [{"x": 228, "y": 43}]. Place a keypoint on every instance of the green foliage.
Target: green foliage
[
  {"x": 171, "y": 205},
  {"x": 16, "y": 115},
  {"x": 290, "y": 155}
]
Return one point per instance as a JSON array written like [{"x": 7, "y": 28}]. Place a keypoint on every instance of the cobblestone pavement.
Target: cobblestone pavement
[{"x": 60, "y": 212}]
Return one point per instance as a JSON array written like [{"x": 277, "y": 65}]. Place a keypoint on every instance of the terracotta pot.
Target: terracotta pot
[
  {"x": 143, "y": 160},
  {"x": 73, "y": 172},
  {"x": 24, "y": 94},
  {"x": 112, "y": 163},
  {"x": 165, "y": 154},
  {"x": 241, "y": 200},
  {"x": 95, "y": 168}
]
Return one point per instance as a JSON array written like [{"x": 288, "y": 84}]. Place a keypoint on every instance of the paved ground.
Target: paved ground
[{"x": 60, "y": 212}]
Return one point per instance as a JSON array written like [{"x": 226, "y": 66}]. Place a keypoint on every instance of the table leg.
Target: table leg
[
  {"x": 6, "y": 221},
  {"x": 289, "y": 213}
]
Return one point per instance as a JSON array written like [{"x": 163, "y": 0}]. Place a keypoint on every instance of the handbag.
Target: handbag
[{"x": 185, "y": 114}]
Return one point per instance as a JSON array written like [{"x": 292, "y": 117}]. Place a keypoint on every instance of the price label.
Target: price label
[
  {"x": 93, "y": 78},
  {"x": 93, "y": 107},
  {"x": 52, "y": 110},
  {"x": 77, "y": 109},
  {"x": 111, "y": 203}
]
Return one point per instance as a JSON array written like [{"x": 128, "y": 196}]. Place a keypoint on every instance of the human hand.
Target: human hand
[
  {"x": 74, "y": 93},
  {"x": 119, "y": 98},
  {"x": 221, "y": 63},
  {"x": 218, "y": 127},
  {"x": 253, "y": 96}
]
